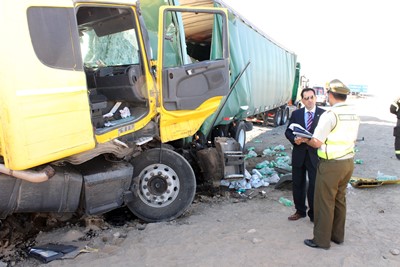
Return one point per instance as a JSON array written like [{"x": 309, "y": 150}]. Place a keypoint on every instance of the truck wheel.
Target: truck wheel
[
  {"x": 275, "y": 118},
  {"x": 285, "y": 115},
  {"x": 164, "y": 185},
  {"x": 239, "y": 134}
]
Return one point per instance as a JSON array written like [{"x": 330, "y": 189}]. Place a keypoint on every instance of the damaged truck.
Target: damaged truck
[{"x": 118, "y": 103}]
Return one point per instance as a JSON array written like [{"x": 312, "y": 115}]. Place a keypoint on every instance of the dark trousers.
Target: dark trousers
[
  {"x": 330, "y": 200},
  {"x": 396, "y": 134},
  {"x": 300, "y": 190}
]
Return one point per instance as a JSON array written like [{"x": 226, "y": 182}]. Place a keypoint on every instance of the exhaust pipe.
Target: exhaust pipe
[{"x": 30, "y": 176}]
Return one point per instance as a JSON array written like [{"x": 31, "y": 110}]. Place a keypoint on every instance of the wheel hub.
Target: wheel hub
[{"x": 158, "y": 185}]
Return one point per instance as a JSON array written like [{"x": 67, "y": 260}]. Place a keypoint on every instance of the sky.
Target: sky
[{"x": 355, "y": 41}]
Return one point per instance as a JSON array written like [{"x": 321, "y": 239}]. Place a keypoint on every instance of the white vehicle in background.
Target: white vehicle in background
[{"x": 320, "y": 93}]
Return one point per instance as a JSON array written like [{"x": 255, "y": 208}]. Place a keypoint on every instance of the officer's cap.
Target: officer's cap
[{"x": 337, "y": 86}]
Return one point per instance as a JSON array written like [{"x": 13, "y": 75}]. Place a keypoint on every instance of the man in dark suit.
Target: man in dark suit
[{"x": 304, "y": 157}]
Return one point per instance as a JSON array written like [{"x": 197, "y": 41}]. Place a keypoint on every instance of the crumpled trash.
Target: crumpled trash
[
  {"x": 284, "y": 165},
  {"x": 254, "y": 180},
  {"x": 257, "y": 182},
  {"x": 256, "y": 174},
  {"x": 262, "y": 164},
  {"x": 268, "y": 152},
  {"x": 247, "y": 174},
  {"x": 251, "y": 154},
  {"x": 284, "y": 159},
  {"x": 224, "y": 182},
  {"x": 279, "y": 148},
  {"x": 273, "y": 179},
  {"x": 272, "y": 164},
  {"x": 125, "y": 112},
  {"x": 266, "y": 171}
]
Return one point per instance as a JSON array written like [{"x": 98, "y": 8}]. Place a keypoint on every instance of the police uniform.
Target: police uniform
[
  {"x": 337, "y": 130},
  {"x": 395, "y": 109}
]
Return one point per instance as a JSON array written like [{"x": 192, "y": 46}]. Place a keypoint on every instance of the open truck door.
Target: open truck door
[{"x": 192, "y": 67}]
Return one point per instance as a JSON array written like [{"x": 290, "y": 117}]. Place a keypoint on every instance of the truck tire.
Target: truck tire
[
  {"x": 274, "y": 117},
  {"x": 238, "y": 133},
  {"x": 164, "y": 185},
  {"x": 285, "y": 115}
]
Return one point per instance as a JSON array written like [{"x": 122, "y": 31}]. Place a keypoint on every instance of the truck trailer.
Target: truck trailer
[{"x": 117, "y": 103}]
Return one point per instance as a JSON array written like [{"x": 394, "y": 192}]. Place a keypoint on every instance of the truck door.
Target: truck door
[{"x": 192, "y": 67}]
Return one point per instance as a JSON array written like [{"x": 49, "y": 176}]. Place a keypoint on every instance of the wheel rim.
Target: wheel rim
[
  {"x": 278, "y": 115},
  {"x": 285, "y": 116},
  {"x": 158, "y": 185},
  {"x": 241, "y": 138}
]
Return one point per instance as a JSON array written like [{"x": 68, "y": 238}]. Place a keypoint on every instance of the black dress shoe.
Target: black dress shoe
[
  {"x": 337, "y": 242},
  {"x": 311, "y": 244}
]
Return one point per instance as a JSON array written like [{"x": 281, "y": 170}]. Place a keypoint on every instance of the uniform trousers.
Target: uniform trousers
[
  {"x": 330, "y": 200},
  {"x": 396, "y": 133}
]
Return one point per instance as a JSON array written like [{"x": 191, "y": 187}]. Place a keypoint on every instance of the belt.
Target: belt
[{"x": 341, "y": 160}]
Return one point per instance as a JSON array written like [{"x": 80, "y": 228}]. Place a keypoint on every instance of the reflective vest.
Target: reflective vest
[{"x": 340, "y": 141}]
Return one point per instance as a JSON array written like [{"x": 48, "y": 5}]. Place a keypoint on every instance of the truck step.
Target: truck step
[
  {"x": 233, "y": 158},
  {"x": 143, "y": 140},
  {"x": 234, "y": 177}
]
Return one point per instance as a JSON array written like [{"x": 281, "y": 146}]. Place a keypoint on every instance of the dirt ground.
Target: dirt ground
[{"x": 252, "y": 229}]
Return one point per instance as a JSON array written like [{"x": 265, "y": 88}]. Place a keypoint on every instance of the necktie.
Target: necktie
[{"x": 309, "y": 120}]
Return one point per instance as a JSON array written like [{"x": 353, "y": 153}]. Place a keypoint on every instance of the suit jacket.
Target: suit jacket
[{"x": 300, "y": 151}]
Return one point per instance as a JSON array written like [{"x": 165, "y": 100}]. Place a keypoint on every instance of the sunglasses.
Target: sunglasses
[{"x": 309, "y": 97}]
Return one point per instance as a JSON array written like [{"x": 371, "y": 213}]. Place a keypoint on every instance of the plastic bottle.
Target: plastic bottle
[
  {"x": 358, "y": 161},
  {"x": 285, "y": 201},
  {"x": 382, "y": 177}
]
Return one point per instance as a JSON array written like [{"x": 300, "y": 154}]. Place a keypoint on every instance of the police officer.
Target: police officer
[
  {"x": 395, "y": 109},
  {"x": 334, "y": 137}
]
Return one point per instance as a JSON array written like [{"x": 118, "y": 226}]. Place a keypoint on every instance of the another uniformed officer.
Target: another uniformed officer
[
  {"x": 335, "y": 138},
  {"x": 395, "y": 109}
]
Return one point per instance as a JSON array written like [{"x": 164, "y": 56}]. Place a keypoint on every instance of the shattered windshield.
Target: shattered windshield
[{"x": 115, "y": 49}]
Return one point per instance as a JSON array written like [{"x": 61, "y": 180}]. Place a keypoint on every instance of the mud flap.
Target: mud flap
[
  {"x": 225, "y": 161},
  {"x": 210, "y": 163}
]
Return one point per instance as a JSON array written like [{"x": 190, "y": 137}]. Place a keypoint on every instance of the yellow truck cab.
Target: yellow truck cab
[{"x": 86, "y": 108}]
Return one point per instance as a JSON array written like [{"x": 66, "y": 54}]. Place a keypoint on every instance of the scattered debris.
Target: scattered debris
[
  {"x": 395, "y": 251},
  {"x": 49, "y": 252},
  {"x": 266, "y": 172},
  {"x": 285, "y": 201},
  {"x": 250, "y": 154},
  {"x": 285, "y": 182},
  {"x": 256, "y": 240},
  {"x": 381, "y": 179}
]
